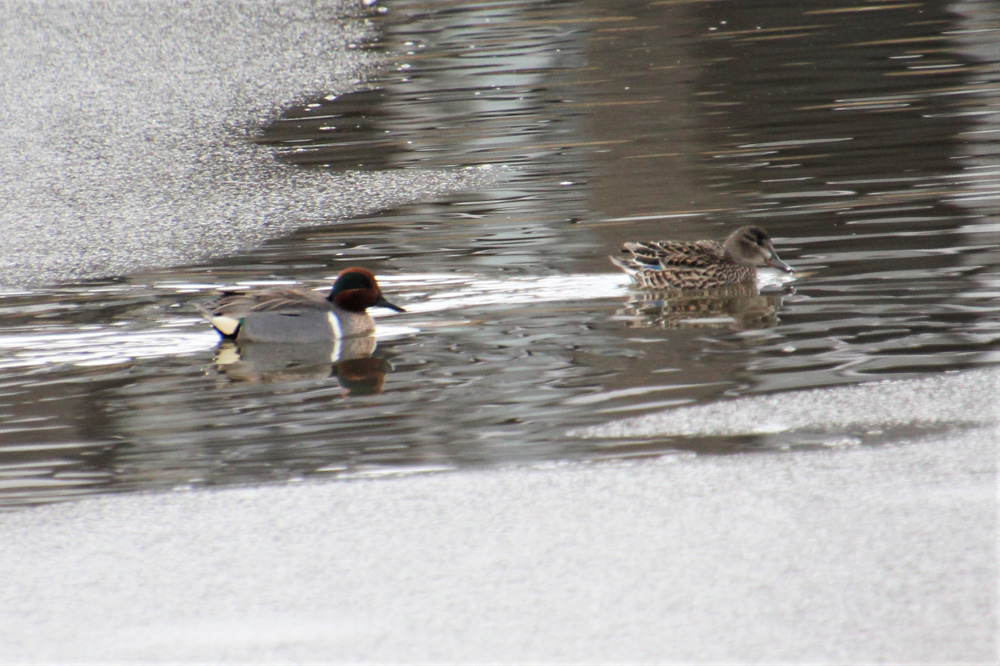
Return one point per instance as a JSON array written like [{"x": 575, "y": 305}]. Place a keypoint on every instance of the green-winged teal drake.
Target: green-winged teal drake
[
  {"x": 299, "y": 315},
  {"x": 699, "y": 264}
]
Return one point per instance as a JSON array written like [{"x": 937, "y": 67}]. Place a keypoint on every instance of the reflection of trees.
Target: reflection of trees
[{"x": 827, "y": 93}]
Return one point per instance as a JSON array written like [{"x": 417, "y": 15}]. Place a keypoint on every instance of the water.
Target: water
[{"x": 863, "y": 138}]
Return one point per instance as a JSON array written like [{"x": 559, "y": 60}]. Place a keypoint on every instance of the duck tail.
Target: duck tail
[
  {"x": 626, "y": 265},
  {"x": 227, "y": 327}
]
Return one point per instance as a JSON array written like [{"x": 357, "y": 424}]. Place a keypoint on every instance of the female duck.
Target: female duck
[
  {"x": 299, "y": 315},
  {"x": 700, "y": 264}
]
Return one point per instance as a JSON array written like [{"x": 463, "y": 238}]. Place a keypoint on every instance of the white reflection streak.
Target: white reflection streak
[
  {"x": 513, "y": 291},
  {"x": 524, "y": 291},
  {"x": 428, "y": 292},
  {"x": 96, "y": 348}
]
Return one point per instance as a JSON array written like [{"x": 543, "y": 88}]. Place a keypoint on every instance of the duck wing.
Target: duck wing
[
  {"x": 669, "y": 254},
  {"x": 670, "y": 265},
  {"x": 287, "y": 301}
]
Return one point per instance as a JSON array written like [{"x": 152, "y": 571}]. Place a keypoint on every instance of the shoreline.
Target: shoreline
[{"x": 843, "y": 555}]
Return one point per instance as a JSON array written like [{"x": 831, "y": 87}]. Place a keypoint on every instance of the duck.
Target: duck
[
  {"x": 291, "y": 315},
  {"x": 704, "y": 264}
]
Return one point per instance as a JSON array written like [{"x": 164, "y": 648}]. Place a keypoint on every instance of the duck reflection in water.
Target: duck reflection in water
[
  {"x": 350, "y": 360},
  {"x": 702, "y": 283},
  {"x": 738, "y": 307}
]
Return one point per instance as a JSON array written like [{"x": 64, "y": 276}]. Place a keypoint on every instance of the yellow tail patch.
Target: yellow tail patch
[{"x": 226, "y": 325}]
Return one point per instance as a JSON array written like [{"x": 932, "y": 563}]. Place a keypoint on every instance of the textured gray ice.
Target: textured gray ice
[
  {"x": 859, "y": 555},
  {"x": 124, "y": 125},
  {"x": 968, "y": 398}
]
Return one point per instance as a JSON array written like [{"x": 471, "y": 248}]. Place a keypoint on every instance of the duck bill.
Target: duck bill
[
  {"x": 778, "y": 263},
  {"x": 381, "y": 302}
]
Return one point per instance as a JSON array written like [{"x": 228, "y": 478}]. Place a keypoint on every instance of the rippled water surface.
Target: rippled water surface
[{"x": 864, "y": 137}]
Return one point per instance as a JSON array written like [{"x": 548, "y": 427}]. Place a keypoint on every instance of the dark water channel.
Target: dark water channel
[{"x": 864, "y": 136}]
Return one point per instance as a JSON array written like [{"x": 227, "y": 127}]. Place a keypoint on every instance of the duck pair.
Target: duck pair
[{"x": 301, "y": 316}]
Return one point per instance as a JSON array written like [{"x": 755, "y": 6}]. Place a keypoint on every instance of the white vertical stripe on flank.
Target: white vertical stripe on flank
[
  {"x": 337, "y": 335},
  {"x": 335, "y": 325}
]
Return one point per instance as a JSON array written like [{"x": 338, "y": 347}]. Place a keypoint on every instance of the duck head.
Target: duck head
[
  {"x": 752, "y": 246},
  {"x": 356, "y": 290}
]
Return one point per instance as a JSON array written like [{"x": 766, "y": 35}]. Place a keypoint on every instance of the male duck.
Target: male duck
[
  {"x": 299, "y": 315},
  {"x": 700, "y": 264}
]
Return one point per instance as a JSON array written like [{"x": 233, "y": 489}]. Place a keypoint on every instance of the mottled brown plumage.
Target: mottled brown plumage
[{"x": 699, "y": 264}]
